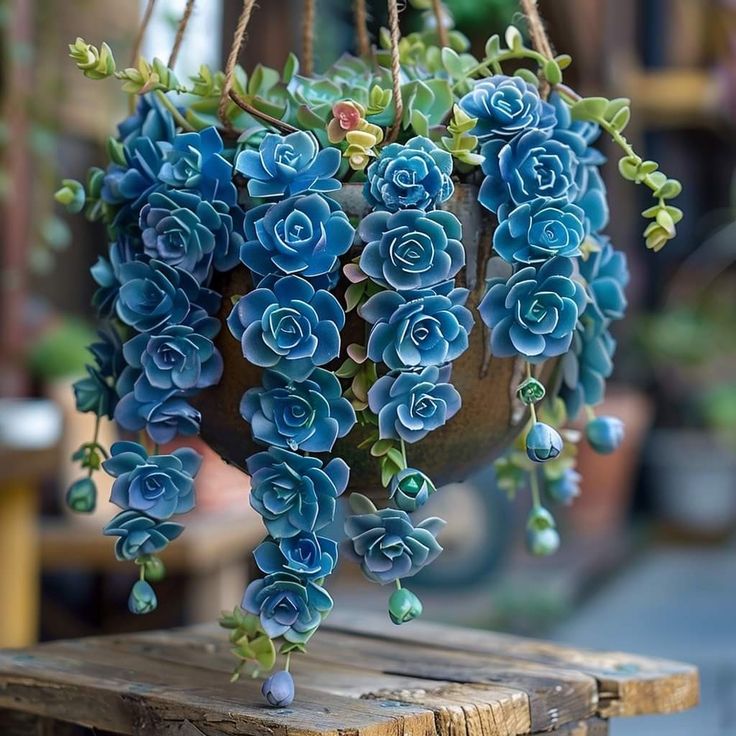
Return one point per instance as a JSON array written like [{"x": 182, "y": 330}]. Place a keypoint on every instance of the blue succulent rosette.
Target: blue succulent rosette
[
  {"x": 288, "y": 165},
  {"x": 411, "y": 405},
  {"x": 419, "y": 328},
  {"x": 163, "y": 414},
  {"x": 538, "y": 231},
  {"x": 388, "y": 545},
  {"x": 306, "y": 556},
  {"x": 531, "y": 166},
  {"x": 294, "y": 493},
  {"x": 156, "y": 485},
  {"x": 106, "y": 273},
  {"x": 302, "y": 235},
  {"x": 606, "y": 273},
  {"x": 187, "y": 232},
  {"x": 194, "y": 162},
  {"x": 306, "y": 415},
  {"x": 415, "y": 174},
  {"x": 154, "y": 295},
  {"x": 411, "y": 248},
  {"x": 288, "y": 326},
  {"x": 139, "y": 534},
  {"x": 506, "y": 106},
  {"x": 287, "y": 606},
  {"x": 96, "y": 392},
  {"x": 151, "y": 119},
  {"x": 177, "y": 358},
  {"x": 535, "y": 312}
]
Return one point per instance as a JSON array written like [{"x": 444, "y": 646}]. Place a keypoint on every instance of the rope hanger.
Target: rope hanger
[{"x": 539, "y": 38}]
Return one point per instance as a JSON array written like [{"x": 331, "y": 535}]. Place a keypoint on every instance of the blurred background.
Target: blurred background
[{"x": 648, "y": 561}]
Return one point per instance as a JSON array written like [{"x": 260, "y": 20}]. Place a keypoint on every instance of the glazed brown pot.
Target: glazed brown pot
[{"x": 490, "y": 416}]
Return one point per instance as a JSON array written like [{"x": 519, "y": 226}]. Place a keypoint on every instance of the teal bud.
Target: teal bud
[
  {"x": 142, "y": 598},
  {"x": 410, "y": 489},
  {"x": 543, "y": 443},
  {"x": 542, "y": 538},
  {"x": 605, "y": 434},
  {"x": 278, "y": 690},
  {"x": 404, "y": 606},
  {"x": 71, "y": 195},
  {"x": 530, "y": 391},
  {"x": 82, "y": 496}
]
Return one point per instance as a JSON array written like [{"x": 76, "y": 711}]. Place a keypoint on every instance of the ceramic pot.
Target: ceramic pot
[{"x": 490, "y": 416}]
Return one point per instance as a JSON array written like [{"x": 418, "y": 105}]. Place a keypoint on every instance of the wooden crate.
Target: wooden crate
[{"x": 362, "y": 676}]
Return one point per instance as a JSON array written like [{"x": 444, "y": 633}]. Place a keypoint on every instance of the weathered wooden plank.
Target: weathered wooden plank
[
  {"x": 628, "y": 684},
  {"x": 589, "y": 727},
  {"x": 128, "y": 694}
]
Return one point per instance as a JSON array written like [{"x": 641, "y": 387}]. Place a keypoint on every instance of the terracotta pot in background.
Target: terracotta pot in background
[{"x": 608, "y": 480}]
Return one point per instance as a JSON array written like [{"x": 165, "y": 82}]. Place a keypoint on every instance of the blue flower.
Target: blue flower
[
  {"x": 565, "y": 488},
  {"x": 607, "y": 275},
  {"x": 410, "y": 489},
  {"x": 194, "y": 162},
  {"x": 285, "y": 165},
  {"x": 302, "y": 235},
  {"x": 278, "y": 689},
  {"x": 506, "y": 106},
  {"x": 289, "y": 327},
  {"x": 389, "y": 547},
  {"x": 417, "y": 328},
  {"x": 157, "y": 485},
  {"x": 410, "y": 405},
  {"x": 154, "y": 295},
  {"x": 539, "y": 230},
  {"x": 96, "y": 392},
  {"x": 415, "y": 174},
  {"x": 411, "y": 249},
  {"x": 587, "y": 365},
  {"x": 163, "y": 415},
  {"x": 543, "y": 443},
  {"x": 534, "y": 313},
  {"x": 287, "y": 606},
  {"x": 140, "y": 534},
  {"x": 151, "y": 119},
  {"x": 106, "y": 274},
  {"x": 294, "y": 493},
  {"x": 187, "y": 232},
  {"x": 605, "y": 434},
  {"x": 532, "y": 165},
  {"x": 305, "y": 556},
  {"x": 175, "y": 358},
  {"x": 304, "y": 415}
]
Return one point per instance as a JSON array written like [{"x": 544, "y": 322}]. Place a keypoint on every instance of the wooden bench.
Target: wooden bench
[{"x": 362, "y": 676}]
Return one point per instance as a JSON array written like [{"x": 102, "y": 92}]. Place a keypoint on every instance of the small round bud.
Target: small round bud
[
  {"x": 543, "y": 443},
  {"x": 530, "y": 391},
  {"x": 404, "y": 606},
  {"x": 542, "y": 538},
  {"x": 142, "y": 598},
  {"x": 605, "y": 434},
  {"x": 565, "y": 489},
  {"x": 82, "y": 496},
  {"x": 410, "y": 489},
  {"x": 278, "y": 689}
]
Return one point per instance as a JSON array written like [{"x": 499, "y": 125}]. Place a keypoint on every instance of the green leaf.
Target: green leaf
[
  {"x": 419, "y": 123},
  {"x": 563, "y": 60},
  {"x": 669, "y": 189},
  {"x": 388, "y": 471},
  {"x": 291, "y": 68},
  {"x": 452, "y": 63},
  {"x": 628, "y": 167},
  {"x": 493, "y": 46},
  {"x": 615, "y": 106},
  {"x": 381, "y": 447},
  {"x": 664, "y": 220},
  {"x": 648, "y": 167},
  {"x": 262, "y": 79},
  {"x": 264, "y": 652},
  {"x": 552, "y": 72},
  {"x": 353, "y": 294},
  {"x": 675, "y": 213},
  {"x": 657, "y": 180},
  {"x": 527, "y": 75},
  {"x": 589, "y": 108},
  {"x": 621, "y": 119},
  {"x": 360, "y": 504},
  {"x": 513, "y": 38},
  {"x": 395, "y": 456},
  {"x": 348, "y": 369}
]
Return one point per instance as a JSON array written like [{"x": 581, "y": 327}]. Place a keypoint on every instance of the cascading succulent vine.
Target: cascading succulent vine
[{"x": 186, "y": 194}]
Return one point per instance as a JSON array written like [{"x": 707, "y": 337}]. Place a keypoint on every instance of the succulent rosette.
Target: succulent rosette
[
  {"x": 303, "y": 235},
  {"x": 539, "y": 230},
  {"x": 163, "y": 415},
  {"x": 139, "y": 534},
  {"x": 154, "y": 295},
  {"x": 410, "y": 405},
  {"x": 607, "y": 275},
  {"x": 96, "y": 392},
  {"x": 177, "y": 358},
  {"x": 305, "y": 555},
  {"x": 185, "y": 231},
  {"x": 290, "y": 327},
  {"x": 415, "y": 174},
  {"x": 531, "y": 166},
  {"x": 389, "y": 547},
  {"x": 157, "y": 485},
  {"x": 151, "y": 119},
  {"x": 411, "y": 248},
  {"x": 287, "y": 606},
  {"x": 535, "y": 312},
  {"x": 106, "y": 274},
  {"x": 506, "y": 106},
  {"x": 410, "y": 489},
  {"x": 418, "y": 328},
  {"x": 304, "y": 415},
  {"x": 294, "y": 493},
  {"x": 194, "y": 162},
  {"x": 288, "y": 165}
]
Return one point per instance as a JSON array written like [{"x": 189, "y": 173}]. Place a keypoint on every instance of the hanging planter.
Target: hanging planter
[{"x": 372, "y": 279}]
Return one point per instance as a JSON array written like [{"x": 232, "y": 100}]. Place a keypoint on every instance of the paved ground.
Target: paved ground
[{"x": 678, "y": 603}]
